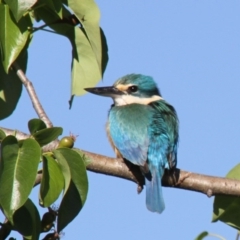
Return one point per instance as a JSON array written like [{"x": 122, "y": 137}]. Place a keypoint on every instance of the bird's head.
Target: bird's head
[{"x": 132, "y": 88}]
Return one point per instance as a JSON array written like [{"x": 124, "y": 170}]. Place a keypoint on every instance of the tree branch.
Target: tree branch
[
  {"x": 32, "y": 94},
  {"x": 177, "y": 178}
]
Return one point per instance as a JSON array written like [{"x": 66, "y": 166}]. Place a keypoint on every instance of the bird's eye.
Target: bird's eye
[{"x": 133, "y": 88}]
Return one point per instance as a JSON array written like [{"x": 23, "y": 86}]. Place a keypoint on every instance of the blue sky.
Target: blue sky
[{"x": 192, "y": 50}]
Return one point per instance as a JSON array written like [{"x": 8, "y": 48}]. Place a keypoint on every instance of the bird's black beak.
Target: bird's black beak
[{"x": 105, "y": 91}]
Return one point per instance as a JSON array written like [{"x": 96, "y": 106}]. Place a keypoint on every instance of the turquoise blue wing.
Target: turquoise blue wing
[
  {"x": 128, "y": 126},
  {"x": 162, "y": 151},
  {"x": 163, "y": 133}
]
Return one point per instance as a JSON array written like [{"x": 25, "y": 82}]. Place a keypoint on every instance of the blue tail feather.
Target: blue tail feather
[{"x": 154, "y": 196}]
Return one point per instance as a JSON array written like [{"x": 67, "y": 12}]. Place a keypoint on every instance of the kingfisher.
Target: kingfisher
[{"x": 143, "y": 129}]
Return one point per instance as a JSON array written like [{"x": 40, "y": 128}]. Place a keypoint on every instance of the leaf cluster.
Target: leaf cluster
[
  {"x": 63, "y": 173},
  {"x": 226, "y": 208},
  {"x": 76, "y": 20}
]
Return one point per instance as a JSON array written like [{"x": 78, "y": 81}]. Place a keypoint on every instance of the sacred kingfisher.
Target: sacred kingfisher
[{"x": 143, "y": 129}]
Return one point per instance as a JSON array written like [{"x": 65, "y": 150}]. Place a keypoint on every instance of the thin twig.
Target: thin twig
[
  {"x": 46, "y": 30},
  {"x": 71, "y": 20},
  {"x": 32, "y": 94},
  {"x": 34, "y": 29},
  {"x": 177, "y": 178}
]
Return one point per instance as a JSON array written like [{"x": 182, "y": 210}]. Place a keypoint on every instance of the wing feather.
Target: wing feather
[{"x": 163, "y": 132}]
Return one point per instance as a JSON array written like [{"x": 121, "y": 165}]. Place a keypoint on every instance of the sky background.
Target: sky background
[{"x": 192, "y": 49}]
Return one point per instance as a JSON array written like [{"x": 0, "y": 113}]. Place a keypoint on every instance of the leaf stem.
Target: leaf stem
[
  {"x": 34, "y": 29},
  {"x": 216, "y": 235}
]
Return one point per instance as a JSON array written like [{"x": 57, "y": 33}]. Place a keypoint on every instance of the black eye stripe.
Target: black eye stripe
[{"x": 133, "y": 88}]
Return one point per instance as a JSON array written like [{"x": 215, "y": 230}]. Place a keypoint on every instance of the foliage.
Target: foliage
[
  {"x": 89, "y": 48},
  {"x": 205, "y": 234},
  {"x": 202, "y": 235},
  {"x": 227, "y": 208},
  {"x": 63, "y": 171}
]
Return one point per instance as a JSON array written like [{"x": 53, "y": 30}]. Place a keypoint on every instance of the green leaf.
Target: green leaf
[
  {"x": 49, "y": 16},
  {"x": 2, "y": 135},
  {"x": 35, "y": 125},
  {"x": 77, "y": 191},
  {"x": 88, "y": 14},
  {"x": 69, "y": 207},
  {"x": 6, "y": 229},
  {"x": 227, "y": 208},
  {"x": 27, "y": 221},
  {"x": 11, "y": 87},
  {"x": 202, "y": 235},
  {"x": 77, "y": 168},
  {"x": 54, "y": 6},
  {"x": 205, "y": 234},
  {"x": 20, "y": 7},
  {"x": 87, "y": 160},
  {"x": 104, "y": 51},
  {"x": 13, "y": 36},
  {"x": 85, "y": 71},
  {"x": 52, "y": 182},
  {"x": 47, "y": 135},
  {"x": 18, "y": 169},
  {"x": 65, "y": 169}
]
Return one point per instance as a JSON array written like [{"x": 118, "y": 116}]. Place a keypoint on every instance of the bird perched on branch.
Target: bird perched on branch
[{"x": 143, "y": 129}]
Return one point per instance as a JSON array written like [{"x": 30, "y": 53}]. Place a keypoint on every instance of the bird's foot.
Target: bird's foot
[
  {"x": 139, "y": 178},
  {"x": 139, "y": 188}
]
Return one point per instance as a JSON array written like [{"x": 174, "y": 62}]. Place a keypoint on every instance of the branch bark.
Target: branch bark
[
  {"x": 32, "y": 94},
  {"x": 177, "y": 178}
]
